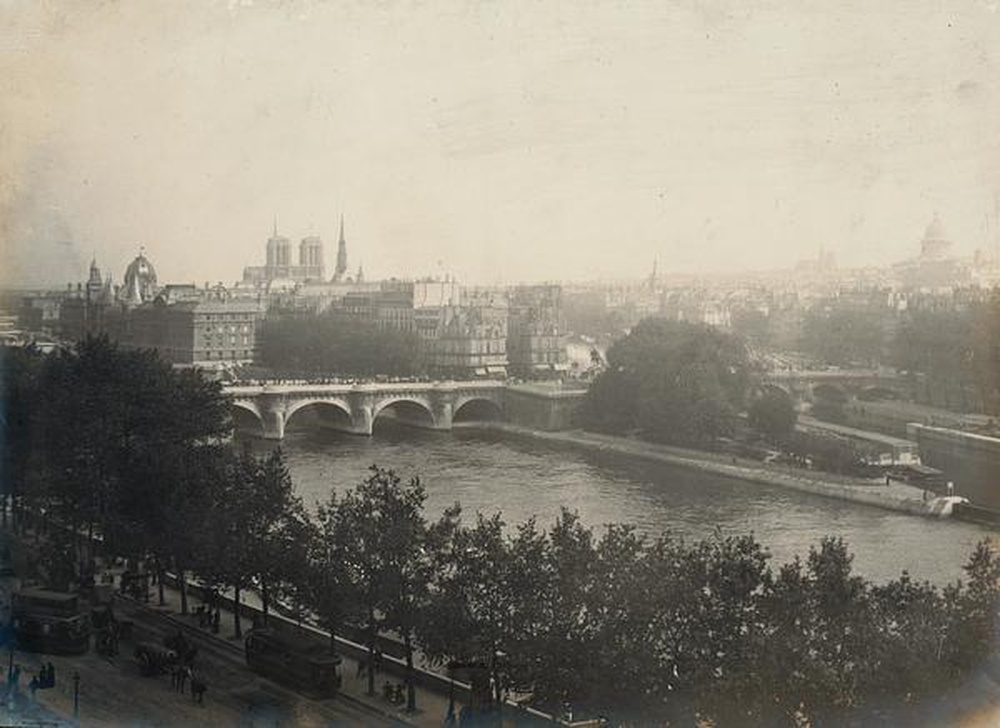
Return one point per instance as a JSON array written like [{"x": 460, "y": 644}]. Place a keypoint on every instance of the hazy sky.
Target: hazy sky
[{"x": 494, "y": 140}]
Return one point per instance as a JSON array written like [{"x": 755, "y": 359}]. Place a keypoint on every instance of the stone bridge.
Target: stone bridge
[
  {"x": 801, "y": 382},
  {"x": 355, "y": 407}
]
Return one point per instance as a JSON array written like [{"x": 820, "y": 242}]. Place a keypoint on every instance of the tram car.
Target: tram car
[{"x": 298, "y": 661}]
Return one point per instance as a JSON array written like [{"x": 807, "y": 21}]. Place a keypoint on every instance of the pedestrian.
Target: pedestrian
[
  {"x": 216, "y": 618},
  {"x": 184, "y": 674},
  {"x": 36, "y": 682},
  {"x": 198, "y": 689},
  {"x": 50, "y": 679}
]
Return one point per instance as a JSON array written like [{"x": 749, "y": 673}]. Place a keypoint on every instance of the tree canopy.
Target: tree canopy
[
  {"x": 772, "y": 414},
  {"x": 328, "y": 344},
  {"x": 673, "y": 380}
]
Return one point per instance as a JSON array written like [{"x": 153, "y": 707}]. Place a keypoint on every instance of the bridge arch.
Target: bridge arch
[
  {"x": 773, "y": 387},
  {"x": 246, "y": 417},
  {"x": 334, "y": 413},
  {"x": 477, "y": 409},
  {"x": 411, "y": 410}
]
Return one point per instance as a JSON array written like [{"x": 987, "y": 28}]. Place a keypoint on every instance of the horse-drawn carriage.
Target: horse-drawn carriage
[{"x": 155, "y": 658}]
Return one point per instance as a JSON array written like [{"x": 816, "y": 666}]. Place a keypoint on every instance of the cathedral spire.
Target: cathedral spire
[
  {"x": 274, "y": 234},
  {"x": 341, "y": 270}
]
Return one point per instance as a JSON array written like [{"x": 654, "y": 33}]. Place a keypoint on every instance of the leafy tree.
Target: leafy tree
[
  {"x": 20, "y": 368},
  {"x": 844, "y": 336},
  {"x": 378, "y": 530},
  {"x": 111, "y": 433},
  {"x": 772, "y": 414},
  {"x": 482, "y": 609},
  {"x": 258, "y": 531},
  {"x": 328, "y": 591},
  {"x": 405, "y": 553},
  {"x": 328, "y": 344},
  {"x": 676, "y": 381}
]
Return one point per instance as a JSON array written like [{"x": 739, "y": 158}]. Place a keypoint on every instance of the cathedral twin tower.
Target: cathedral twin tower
[{"x": 310, "y": 266}]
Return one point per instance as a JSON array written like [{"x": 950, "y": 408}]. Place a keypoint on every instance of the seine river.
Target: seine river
[{"x": 521, "y": 479}]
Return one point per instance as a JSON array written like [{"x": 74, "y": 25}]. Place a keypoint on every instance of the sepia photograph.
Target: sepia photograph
[{"x": 500, "y": 364}]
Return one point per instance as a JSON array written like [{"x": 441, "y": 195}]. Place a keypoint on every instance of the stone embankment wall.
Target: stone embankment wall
[
  {"x": 542, "y": 408},
  {"x": 971, "y": 461},
  {"x": 897, "y": 496}
]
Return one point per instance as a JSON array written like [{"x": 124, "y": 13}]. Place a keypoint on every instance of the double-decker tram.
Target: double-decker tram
[{"x": 50, "y": 622}]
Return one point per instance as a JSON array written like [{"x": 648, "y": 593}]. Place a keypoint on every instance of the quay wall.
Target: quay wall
[
  {"x": 896, "y": 497},
  {"x": 542, "y": 409},
  {"x": 971, "y": 461}
]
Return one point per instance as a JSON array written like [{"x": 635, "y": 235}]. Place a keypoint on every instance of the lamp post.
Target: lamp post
[
  {"x": 450, "y": 718},
  {"x": 76, "y": 694}
]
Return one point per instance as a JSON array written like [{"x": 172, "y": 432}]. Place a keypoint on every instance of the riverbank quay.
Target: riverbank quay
[{"x": 895, "y": 496}]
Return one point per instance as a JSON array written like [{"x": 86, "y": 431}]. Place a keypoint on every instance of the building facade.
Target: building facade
[{"x": 536, "y": 340}]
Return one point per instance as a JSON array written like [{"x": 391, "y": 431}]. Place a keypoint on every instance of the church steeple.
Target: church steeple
[{"x": 341, "y": 270}]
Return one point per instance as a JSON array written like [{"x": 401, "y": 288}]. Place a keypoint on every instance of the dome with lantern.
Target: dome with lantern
[{"x": 140, "y": 280}]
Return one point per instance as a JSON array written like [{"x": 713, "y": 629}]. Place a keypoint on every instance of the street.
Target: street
[{"x": 112, "y": 691}]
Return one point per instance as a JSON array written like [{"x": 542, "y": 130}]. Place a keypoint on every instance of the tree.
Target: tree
[
  {"x": 327, "y": 344},
  {"x": 112, "y": 432},
  {"x": 377, "y": 529},
  {"x": 405, "y": 552},
  {"x": 259, "y": 533},
  {"x": 676, "y": 381},
  {"x": 20, "y": 368},
  {"x": 471, "y": 616},
  {"x": 844, "y": 336},
  {"x": 328, "y": 590},
  {"x": 772, "y": 414}
]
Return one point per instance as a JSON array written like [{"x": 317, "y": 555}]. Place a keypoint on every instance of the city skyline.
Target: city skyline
[{"x": 492, "y": 143}]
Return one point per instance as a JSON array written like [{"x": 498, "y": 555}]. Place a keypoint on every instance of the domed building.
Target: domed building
[
  {"x": 935, "y": 243},
  {"x": 140, "y": 281},
  {"x": 935, "y": 268}
]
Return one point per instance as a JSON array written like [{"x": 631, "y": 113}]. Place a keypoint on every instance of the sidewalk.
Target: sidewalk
[{"x": 432, "y": 707}]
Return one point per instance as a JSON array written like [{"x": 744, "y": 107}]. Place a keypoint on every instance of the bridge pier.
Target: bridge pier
[
  {"x": 361, "y": 416},
  {"x": 274, "y": 425},
  {"x": 441, "y": 410}
]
